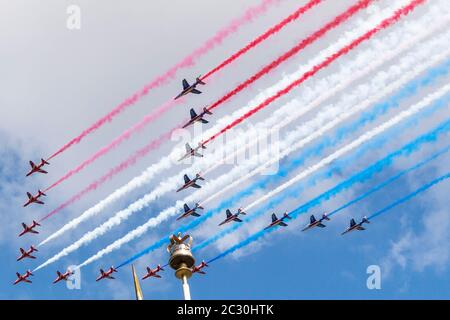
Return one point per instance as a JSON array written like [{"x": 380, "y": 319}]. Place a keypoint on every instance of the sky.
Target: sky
[{"x": 56, "y": 82}]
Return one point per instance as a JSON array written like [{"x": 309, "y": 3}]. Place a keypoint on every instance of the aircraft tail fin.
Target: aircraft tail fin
[
  {"x": 325, "y": 217},
  {"x": 241, "y": 211},
  {"x": 206, "y": 111},
  {"x": 36, "y": 223},
  {"x": 365, "y": 220},
  {"x": 199, "y": 206},
  {"x": 287, "y": 216},
  {"x": 199, "y": 177},
  {"x": 44, "y": 161},
  {"x": 199, "y": 80}
]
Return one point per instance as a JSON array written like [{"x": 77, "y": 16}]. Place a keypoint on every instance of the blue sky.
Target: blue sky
[{"x": 68, "y": 79}]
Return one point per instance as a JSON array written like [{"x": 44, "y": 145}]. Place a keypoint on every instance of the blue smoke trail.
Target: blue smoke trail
[
  {"x": 362, "y": 176},
  {"x": 259, "y": 234},
  {"x": 410, "y": 196},
  {"x": 410, "y": 89},
  {"x": 390, "y": 180}
]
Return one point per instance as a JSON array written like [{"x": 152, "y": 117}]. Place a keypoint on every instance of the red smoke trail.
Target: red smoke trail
[
  {"x": 117, "y": 141},
  {"x": 154, "y": 144},
  {"x": 309, "y": 40},
  {"x": 159, "y": 111},
  {"x": 383, "y": 25},
  {"x": 300, "y": 11},
  {"x": 188, "y": 61}
]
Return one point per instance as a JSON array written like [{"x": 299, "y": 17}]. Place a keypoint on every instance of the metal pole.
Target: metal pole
[{"x": 186, "y": 291}]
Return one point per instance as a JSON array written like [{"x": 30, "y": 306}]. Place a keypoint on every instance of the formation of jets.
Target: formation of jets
[
  {"x": 191, "y": 183},
  {"x": 106, "y": 274},
  {"x": 190, "y": 212},
  {"x": 278, "y": 221},
  {"x": 313, "y": 222},
  {"x": 356, "y": 226},
  {"x": 198, "y": 269},
  {"x": 37, "y": 168},
  {"x": 190, "y": 88},
  {"x": 188, "y": 183},
  {"x": 197, "y": 117},
  {"x": 62, "y": 276},
  {"x": 232, "y": 217},
  {"x": 34, "y": 199},
  {"x": 27, "y": 254},
  {"x": 192, "y": 152},
  {"x": 23, "y": 278},
  {"x": 29, "y": 229},
  {"x": 153, "y": 272}
]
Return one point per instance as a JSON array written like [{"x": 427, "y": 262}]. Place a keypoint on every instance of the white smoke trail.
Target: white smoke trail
[
  {"x": 356, "y": 143},
  {"x": 329, "y": 119},
  {"x": 397, "y": 71},
  {"x": 354, "y": 29},
  {"x": 152, "y": 222}
]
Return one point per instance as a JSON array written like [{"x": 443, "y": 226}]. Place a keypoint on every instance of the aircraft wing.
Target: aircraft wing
[
  {"x": 29, "y": 195},
  {"x": 282, "y": 224},
  {"x": 33, "y": 231},
  {"x": 186, "y": 208},
  {"x": 22, "y": 251},
  {"x": 42, "y": 171},
  {"x": 39, "y": 201},
  {"x": 360, "y": 228},
  {"x": 321, "y": 225},
  {"x": 193, "y": 114},
  {"x": 203, "y": 120},
  {"x": 229, "y": 214},
  {"x": 197, "y": 154},
  {"x": 185, "y": 84},
  {"x": 157, "y": 276},
  {"x": 186, "y": 179},
  {"x": 195, "y": 91},
  {"x": 274, "y": 217},
  {"x": 195, "y": 186},
  {"x": 24, "y": 225},
  {"x": 195, "y": 214},
  {"x": 26, "y": 280},
  {"x": 237, "y": 219},
  {"x": 32, "y": 257}
]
